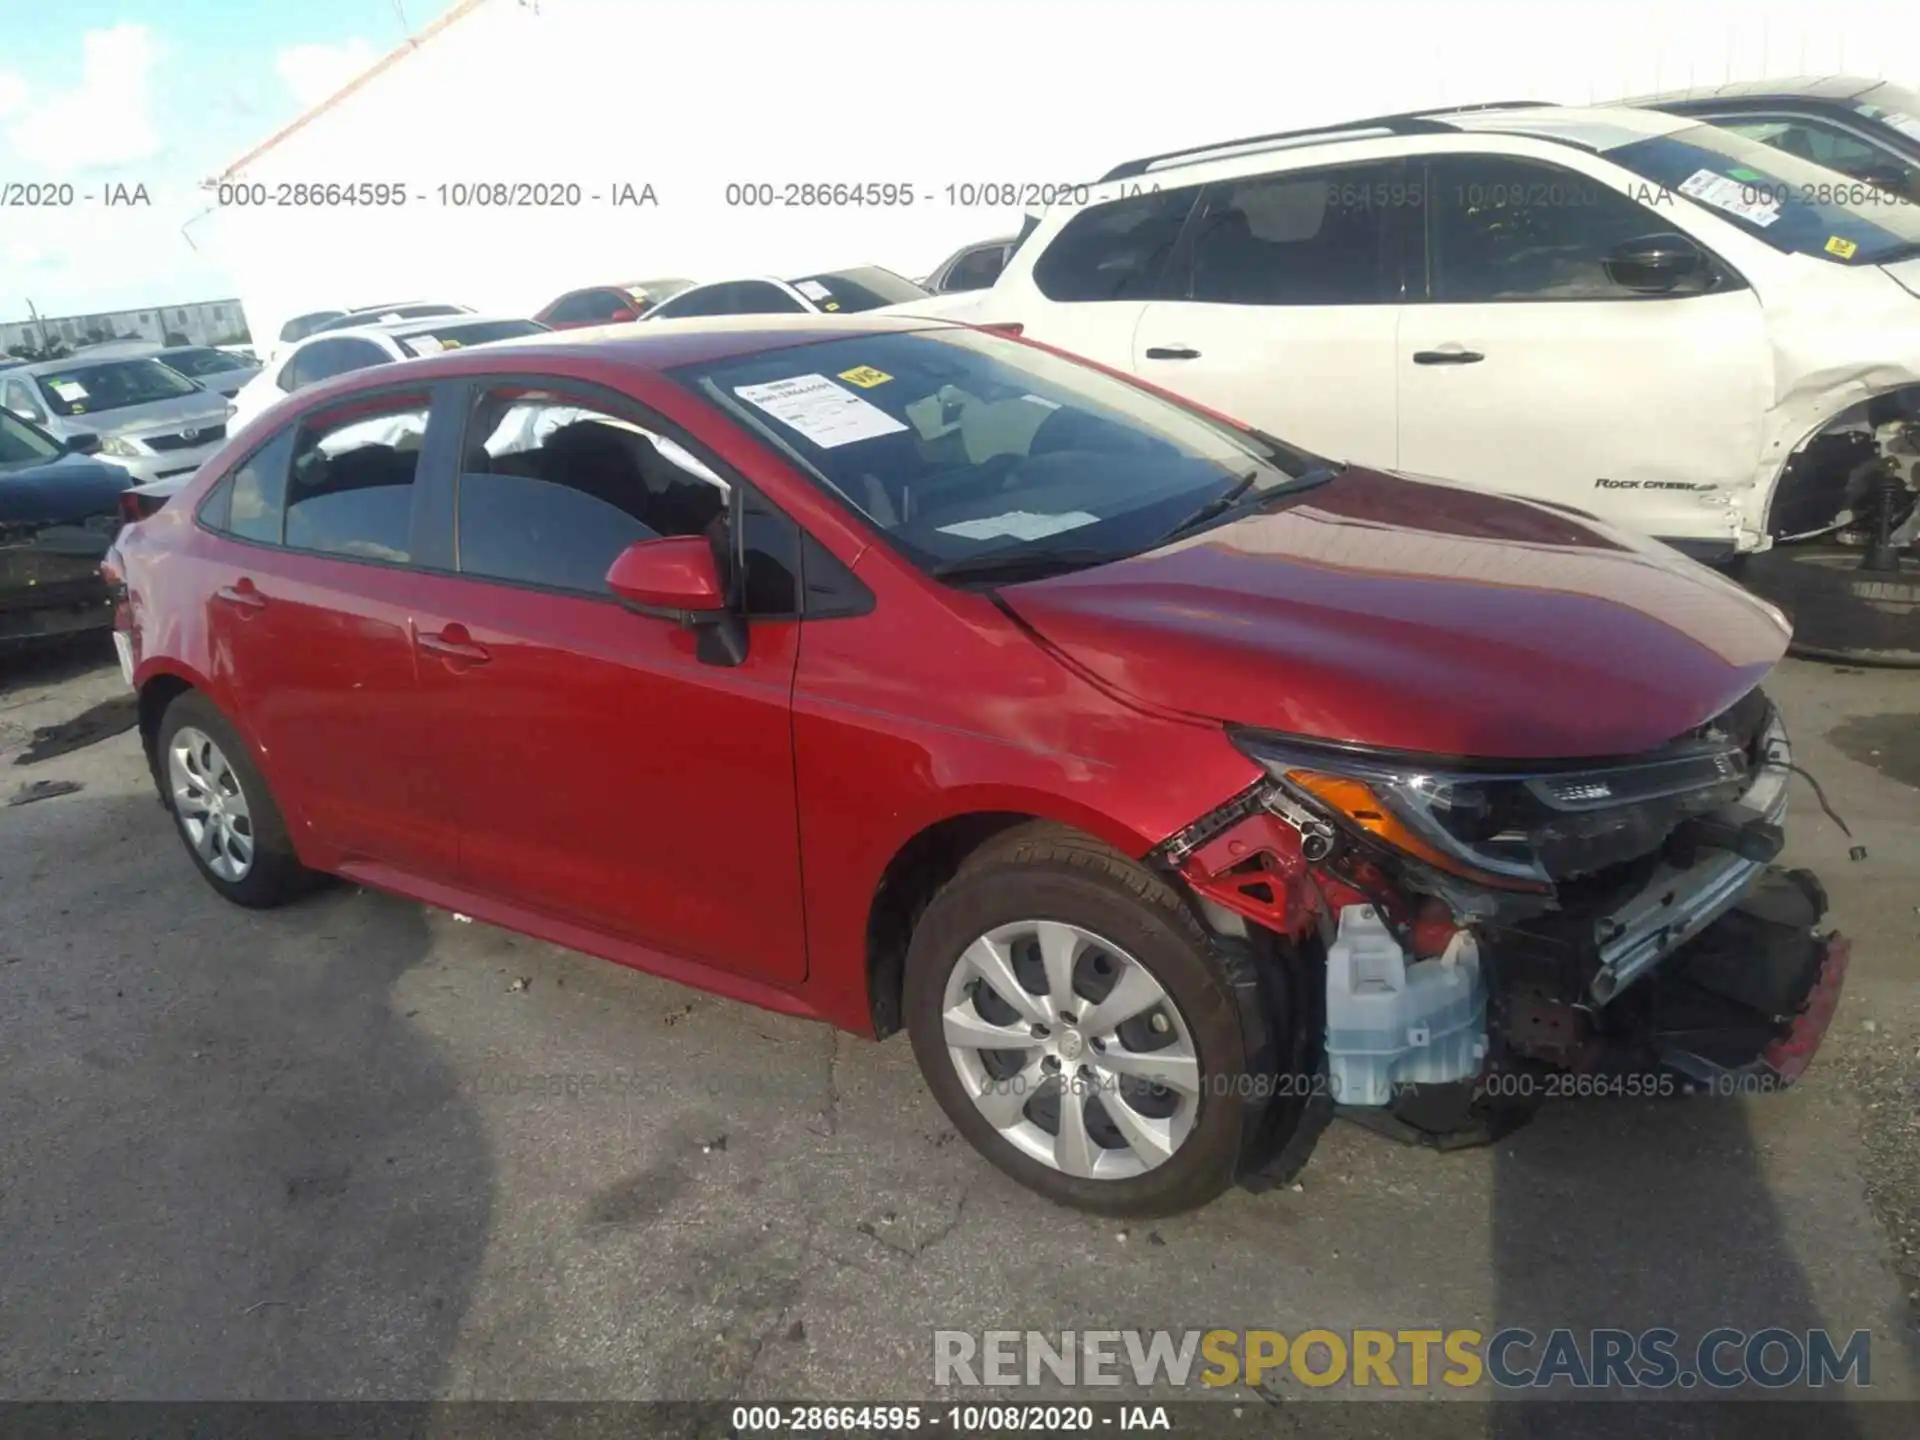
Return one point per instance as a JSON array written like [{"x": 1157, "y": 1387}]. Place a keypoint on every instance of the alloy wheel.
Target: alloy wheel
[
  {"x": 1071, "y": 1049},
  {"x": 211, "y": 804}
]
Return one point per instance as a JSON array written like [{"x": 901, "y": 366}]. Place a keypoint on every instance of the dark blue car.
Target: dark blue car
[{"x": 59, "y": 512}]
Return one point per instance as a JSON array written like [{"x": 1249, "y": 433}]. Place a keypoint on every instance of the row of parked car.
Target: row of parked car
[{"x": 1693, "y": 315}]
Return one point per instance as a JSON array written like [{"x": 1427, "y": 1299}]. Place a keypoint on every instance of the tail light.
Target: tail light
[{"x": 135, "y": 507}]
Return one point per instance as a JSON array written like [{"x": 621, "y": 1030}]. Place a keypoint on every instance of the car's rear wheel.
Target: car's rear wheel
[
  {"x": 1075, "y": 1025},
  {"x": 223, "y": 810}
]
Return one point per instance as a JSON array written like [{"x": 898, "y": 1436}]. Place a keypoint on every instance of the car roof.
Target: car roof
[
  {"x": 659, "y": 345},
  {"x": 74, "y": 362},
  {"x": 399, "y": 329},
  {"x": 1591, "y": 127},
  {"x": 1810, "y": 87}
]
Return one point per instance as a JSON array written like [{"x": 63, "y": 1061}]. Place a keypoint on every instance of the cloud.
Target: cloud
[
  {"x": 13, "y": 95},
  {"x": 104, "y": 121},
  {"x": 313, "y": 72}
]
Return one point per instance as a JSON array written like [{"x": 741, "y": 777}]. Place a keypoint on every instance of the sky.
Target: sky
[{"x": 102, "y": 94}]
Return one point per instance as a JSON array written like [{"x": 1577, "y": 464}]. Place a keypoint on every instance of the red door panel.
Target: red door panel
[
  {"x": 323, "y": 665},
  {"x": 612, "y": 779}
]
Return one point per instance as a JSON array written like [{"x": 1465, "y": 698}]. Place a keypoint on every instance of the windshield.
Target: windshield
[
  {"x": 848, "y": 292},
  {"x": 112, "y": 385},
  {"x": 22, "y": 444},
  {"x": 1792, "y": 204},
  {"x": 1891, "y": 105},
  {"x": 957, "y": 444},
  {"x": 455, "y": 337},
  {"x": 201, "y": 362}
]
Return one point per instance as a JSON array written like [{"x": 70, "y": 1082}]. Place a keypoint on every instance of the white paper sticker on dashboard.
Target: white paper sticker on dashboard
[
  {"x": 424, "y": 344},
  {"x": 829, "y": 415},
  {"x": 1723, "y": 192},
  {"x": 71, "y": 391},
  {"x": 1019, "y": 525},
  {"x": 814, "y": 290}
]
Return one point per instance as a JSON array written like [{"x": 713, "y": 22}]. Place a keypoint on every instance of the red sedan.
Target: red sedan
[
  {"x": 1166, "y": 784},
  {"x": 608, "y": 304}
]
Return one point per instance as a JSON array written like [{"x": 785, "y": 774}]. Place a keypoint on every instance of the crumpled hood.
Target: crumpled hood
[{"x": 1414, "y": 615}]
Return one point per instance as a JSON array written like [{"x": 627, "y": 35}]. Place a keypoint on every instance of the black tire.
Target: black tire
[
  {"x": 276, "y": 875},
  {"x": 1839, "y": 611},
  {"x": 1045, "y": 872}
]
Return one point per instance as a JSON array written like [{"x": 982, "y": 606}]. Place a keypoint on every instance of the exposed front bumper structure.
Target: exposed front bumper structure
[{"x": 1678, "y": 903}]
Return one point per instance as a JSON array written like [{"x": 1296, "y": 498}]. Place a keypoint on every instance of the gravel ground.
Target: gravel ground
[{"x": 318, "y": 1152}]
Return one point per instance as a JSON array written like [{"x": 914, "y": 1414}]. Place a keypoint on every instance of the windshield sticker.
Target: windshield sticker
[
  {"x": 424, "y": 345},
  {"x": 638, "y": 292},
  {"x": 1019, "y": 525},
  {"x": 1905, "y": 124},
  {"x": 813, "y": 290},
  {"x": 71, "y": 391},
  {"x": 1751, "y": 176},
  {"x": 865, "y": 376},
  {"x": 831, "y": 305},
  {"x": 1042, "y": 401},
  {"x": 824, "y": 412},
  {"x": 1838, "y": 245},
  {"x": 1723, "y": 192}
]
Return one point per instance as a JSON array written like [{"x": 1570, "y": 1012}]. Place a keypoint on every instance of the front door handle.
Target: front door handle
[
  {"x": 455, "y": 646},
  {"x": 241, "y": 595},
  {"x": 1172, "y": 352},
  {"x": 1448, "y": 355}
]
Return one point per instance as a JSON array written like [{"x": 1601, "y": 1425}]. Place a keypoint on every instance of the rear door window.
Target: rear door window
[
  {"x": 1115, "y": 251},
  {"x": 1321, "y": 237},
  {"x": 255, "y": 494},
  {"x": 351, "y": 483}
]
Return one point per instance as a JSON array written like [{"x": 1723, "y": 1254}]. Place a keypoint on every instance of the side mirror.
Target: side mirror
[
  {"x": 670, "y": 579},
  {"x": 1654, "y": 264},
  {"x": 85, "y": 443},
  {"x": 678, "y": 579}
]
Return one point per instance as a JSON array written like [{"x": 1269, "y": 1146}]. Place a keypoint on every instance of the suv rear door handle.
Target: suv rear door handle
[
  {"x": 455, "y": 646},
  {"x": 241, "y": 594},
  {"x": 1448, "y": 355},
  {"x": 1172, "y": 352}
]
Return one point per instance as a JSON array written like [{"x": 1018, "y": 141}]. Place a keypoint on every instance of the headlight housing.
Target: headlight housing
[
  {"x": 1514, "y": 827},
  {"x": 119, "y": 445}
]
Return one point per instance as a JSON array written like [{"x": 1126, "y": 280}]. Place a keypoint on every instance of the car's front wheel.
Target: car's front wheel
[
  {"x": 223, "y": 810},
  {"x": 1076, "y": 1026}
]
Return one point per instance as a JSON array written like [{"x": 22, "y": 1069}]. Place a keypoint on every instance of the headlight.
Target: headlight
[
  {"x": 1517, "y": 827},
  {"x": 119, "y": 445}
]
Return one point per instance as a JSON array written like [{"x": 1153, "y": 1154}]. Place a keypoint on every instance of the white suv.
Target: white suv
[{"x": 1634, "y": 314}]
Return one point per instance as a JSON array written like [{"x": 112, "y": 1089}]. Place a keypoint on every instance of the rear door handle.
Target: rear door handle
[
  {"x": 241, "y": 594},
  {"x": 455, "y": 646},
  {"x": 1172, "y": 352},
  {"x": 1448, "y": 355}
]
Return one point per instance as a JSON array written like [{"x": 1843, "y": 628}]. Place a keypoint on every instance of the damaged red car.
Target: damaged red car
[{"x": 1173, "y": 789}]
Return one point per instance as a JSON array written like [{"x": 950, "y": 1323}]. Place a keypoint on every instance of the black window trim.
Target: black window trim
[
  {"x": 594, "y": 394},
  {"x": 1731, "y": 279},
  {"x": 1407, "y": 241},
  {"x": 420, "y": 534}
]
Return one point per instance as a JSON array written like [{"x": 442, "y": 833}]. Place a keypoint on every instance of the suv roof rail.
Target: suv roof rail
[{"x": 1413, "y": 122}]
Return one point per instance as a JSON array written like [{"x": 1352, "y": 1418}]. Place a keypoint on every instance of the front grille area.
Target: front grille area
[{"x": 188, "y": 439}]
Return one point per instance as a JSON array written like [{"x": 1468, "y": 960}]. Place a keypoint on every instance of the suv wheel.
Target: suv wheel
[
  {"x": 1073, "y": 1021},
  {"x": 223, "y": 810}
]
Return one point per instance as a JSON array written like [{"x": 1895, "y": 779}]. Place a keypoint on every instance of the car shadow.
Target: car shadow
[
  {"x": 1635, "y": 1215},
  {"x": 230, "y": 1168}
]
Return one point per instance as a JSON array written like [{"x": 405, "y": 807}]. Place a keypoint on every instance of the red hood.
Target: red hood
[{"x": 1414, "y": 615}]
